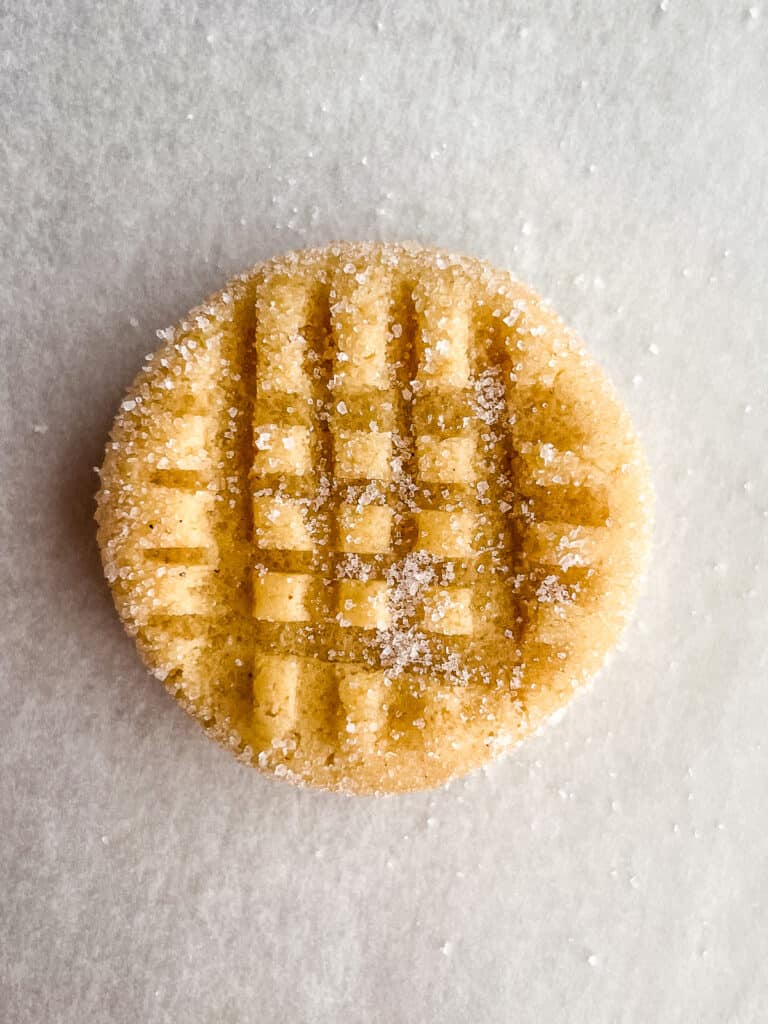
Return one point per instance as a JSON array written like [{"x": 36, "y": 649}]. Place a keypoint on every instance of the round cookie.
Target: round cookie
[{"x": 372, "y": 514}]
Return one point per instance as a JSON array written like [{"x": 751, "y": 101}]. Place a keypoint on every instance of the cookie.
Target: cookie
[{"x": 372, "y": 514}]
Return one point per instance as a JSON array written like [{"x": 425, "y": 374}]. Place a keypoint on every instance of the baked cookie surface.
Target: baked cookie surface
[{"x": 373, "y": 514}]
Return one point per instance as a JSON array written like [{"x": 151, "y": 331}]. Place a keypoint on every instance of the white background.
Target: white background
[{"x": 615, "y": 155}]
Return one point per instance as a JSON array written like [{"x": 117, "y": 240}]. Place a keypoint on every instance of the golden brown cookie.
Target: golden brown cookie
[{"x": 372, "y": 514}]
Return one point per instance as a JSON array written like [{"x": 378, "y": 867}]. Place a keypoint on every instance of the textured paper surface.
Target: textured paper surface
[{"x": 615, "y": 156}]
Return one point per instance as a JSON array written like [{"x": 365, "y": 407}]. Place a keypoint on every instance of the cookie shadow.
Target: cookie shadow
[{"x": 76, "y": 485}]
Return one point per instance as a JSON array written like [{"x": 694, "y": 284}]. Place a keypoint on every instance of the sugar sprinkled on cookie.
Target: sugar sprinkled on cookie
[{"x": 373, "y": 514}]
